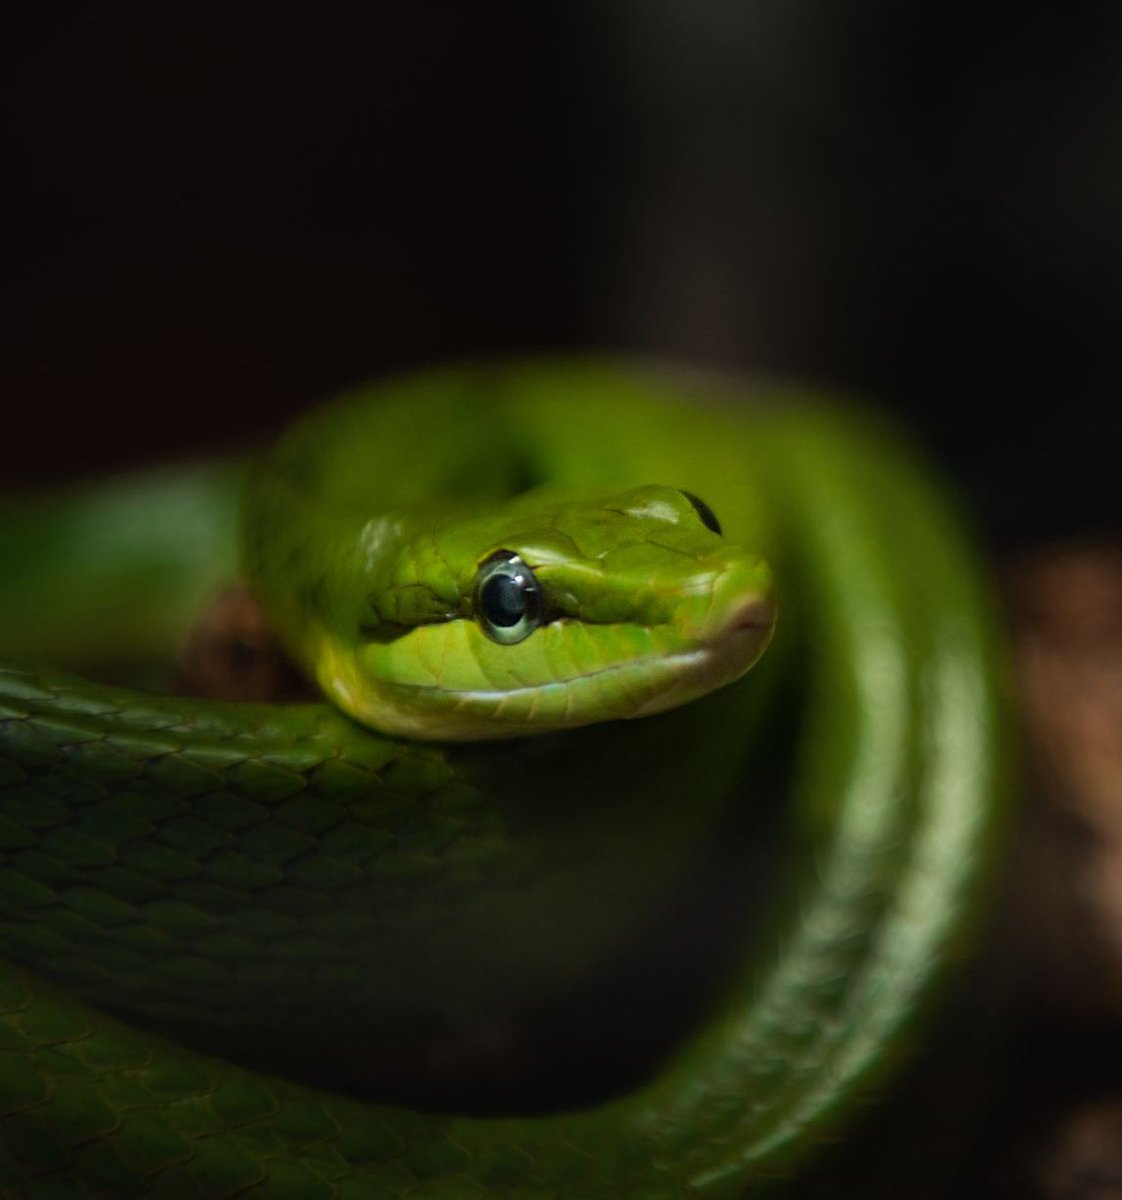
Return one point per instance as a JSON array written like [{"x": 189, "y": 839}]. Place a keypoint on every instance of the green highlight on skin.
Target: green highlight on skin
[{"x": 261, "y": 872}]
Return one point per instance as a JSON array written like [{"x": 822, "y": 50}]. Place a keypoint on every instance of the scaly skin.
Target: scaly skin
[{"x": 242, "y": 876}]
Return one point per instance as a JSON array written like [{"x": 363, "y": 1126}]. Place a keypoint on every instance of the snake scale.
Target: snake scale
[{"x": 190, "y": 888}]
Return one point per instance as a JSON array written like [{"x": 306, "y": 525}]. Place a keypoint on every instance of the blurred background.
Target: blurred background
[{"x": 214, "y": 220}]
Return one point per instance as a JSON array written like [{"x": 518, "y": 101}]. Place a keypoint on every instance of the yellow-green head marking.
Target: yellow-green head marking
[{"x": 552, "y": 613}]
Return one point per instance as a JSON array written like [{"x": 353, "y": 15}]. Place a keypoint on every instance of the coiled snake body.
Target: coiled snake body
[{"x": 182, "y": 876}]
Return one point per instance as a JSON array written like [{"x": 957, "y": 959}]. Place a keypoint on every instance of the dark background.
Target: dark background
[{"x": 215, "y": 218}]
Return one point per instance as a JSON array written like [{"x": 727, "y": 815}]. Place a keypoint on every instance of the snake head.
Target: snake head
[{"x": 553, "y": 613}]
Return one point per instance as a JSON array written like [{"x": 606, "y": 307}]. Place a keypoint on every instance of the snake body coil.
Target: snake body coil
[{"x": 256, "y": 879}]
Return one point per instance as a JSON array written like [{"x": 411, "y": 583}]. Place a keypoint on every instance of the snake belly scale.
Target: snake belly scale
[{"x": 187, "y": 884}]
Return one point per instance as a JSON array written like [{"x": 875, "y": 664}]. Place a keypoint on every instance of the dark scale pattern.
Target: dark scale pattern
[
  {"x": 92, "y": 1109},
  {"x": 212, "y": 880},
  {"x": 158, "y": 861}
]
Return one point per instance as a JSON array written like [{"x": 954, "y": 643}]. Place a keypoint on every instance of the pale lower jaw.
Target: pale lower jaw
[
  {"x": 714, "y": 665},
  {"x": 415, "y": 712},
  {"x": 454, "y": 719},
  {"x": 694, "y": 673}
]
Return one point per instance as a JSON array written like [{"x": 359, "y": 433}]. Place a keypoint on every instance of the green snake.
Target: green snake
[{"x": 193, "y": 888}]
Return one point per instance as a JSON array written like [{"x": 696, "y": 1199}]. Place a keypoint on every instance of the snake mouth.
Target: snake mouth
[
  {"x": 664, "y": 668},
  {"x": 657, "y": 682}
]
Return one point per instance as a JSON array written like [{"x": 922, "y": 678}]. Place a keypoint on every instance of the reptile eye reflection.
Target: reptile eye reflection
[{"x": 507, "y": 599}]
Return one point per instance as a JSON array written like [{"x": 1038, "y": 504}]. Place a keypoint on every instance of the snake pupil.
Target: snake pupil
[{"x": 503, "y": 601}]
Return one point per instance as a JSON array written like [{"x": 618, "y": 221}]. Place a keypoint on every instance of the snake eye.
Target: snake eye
[
  {"x": 704, "y": 512},
  {"x": 507, "y": 598}
]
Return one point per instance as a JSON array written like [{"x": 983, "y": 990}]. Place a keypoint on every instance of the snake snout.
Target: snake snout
[
  {"x": 756, "y": 614},
  {"x": 744, "y": 631},
  {"x": 738, "y": 601}
]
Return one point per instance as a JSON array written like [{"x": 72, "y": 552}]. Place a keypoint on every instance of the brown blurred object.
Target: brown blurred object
[
  {"x": 1058, "y": 1124},
  {"x": 231, "y": 654},
  {"x": 1076, "y": 1154},
  {"x": 1084, "y": 1161},
  {"x": 1066, "y": 608}
]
